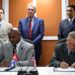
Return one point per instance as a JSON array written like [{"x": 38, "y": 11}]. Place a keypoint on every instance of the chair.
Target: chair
[{"x": 29, "y": 41}]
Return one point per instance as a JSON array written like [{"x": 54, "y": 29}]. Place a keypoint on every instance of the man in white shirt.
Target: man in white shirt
[
  {"x": 4, "y": 27},
  {"x": 67, "y": 25},
  {"x": 17, "y": 49}
]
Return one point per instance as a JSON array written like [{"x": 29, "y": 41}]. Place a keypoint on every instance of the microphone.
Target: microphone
[{"x": 13, "y": 63}]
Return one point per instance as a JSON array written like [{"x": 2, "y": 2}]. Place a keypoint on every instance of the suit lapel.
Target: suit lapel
[
  {"x": 69, "y": 26},
  {"x": 8, "y": 52},
  {"x": 65, "y": 54},
  {"x": 68, "y": 23},
  {"x": 26, "y": 27},
  {"x": 66, "y": 50},
  {"x": 73, "y": 25},
  {"x": 20, "y": 51},
  {"x": 3, "y": 25}
]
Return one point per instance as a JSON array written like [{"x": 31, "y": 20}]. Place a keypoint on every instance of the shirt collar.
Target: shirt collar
[
  {"x": 1, "y": 21},
  {"x": 32, "y": 19},
  {"x": 18, "y": 44},
  {"x": 71, "y": 19}
]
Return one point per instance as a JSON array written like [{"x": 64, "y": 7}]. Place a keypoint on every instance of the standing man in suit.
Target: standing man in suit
[
  {"x": 32, "y": 28},
  {"x": 5, "y": 27},
  {"x": 67, "y": 25},
  {"x": 16, "y": 49},
  {"x": 64, "y": 54}
]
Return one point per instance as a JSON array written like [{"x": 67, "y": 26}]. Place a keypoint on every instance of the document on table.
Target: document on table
[{"x": 69, "y": 69}]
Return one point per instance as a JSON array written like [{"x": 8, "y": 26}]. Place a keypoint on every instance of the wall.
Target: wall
[
  {"x": 50, "y": 11},
  {"x": 17, "y": 10},
  {"x": 47, "y": 52},
  {"x": 0, "y": 3},
  {"x": 72, "y": 2}
]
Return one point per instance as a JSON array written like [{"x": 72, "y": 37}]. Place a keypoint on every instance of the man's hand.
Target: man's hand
[
  {"x": 4, "y": 64},
  {"x": 64, "y": 65},
  {"x": 73, "y": 65}
]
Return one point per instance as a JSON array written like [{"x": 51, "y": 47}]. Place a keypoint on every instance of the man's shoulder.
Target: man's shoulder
[
  {"x": 40, "y": 19},
  {"x": 26, "y": 43},
  {"x": 64, "y": 20},
  {"x": 60, "y": 47},
  {"x": 24, "y": 19},
  {"x": 61, "y": 44},
  {"x": 7, "y": 24}
]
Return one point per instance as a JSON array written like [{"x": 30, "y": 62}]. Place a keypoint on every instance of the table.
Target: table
[{"x": 41, "y": 71}]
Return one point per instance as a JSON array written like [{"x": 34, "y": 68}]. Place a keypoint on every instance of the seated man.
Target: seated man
[
  {"x": 64, "y": 55},
  {"x": 17, "y": 49}
]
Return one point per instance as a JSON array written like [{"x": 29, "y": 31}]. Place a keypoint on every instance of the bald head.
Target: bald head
[
  {"x": 31, "y": 5},
  {"x": 72, "y": 34},
  {"x": 71, "y": 41},
  {"x": 14, "y": 31},
  {"x": 14, "y": 36},
  {"x": 31, "y": 10}
]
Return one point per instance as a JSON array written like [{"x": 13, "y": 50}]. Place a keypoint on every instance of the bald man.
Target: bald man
[
  {"x": 16, "y": 48},
  {"x": 5, "y": 27},
  {"x": 64, "y": 53}
]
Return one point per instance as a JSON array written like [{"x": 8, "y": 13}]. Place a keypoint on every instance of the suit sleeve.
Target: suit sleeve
[
  {"x": 10, "y": 26},
  {"x": 27, "y": 62},
  {"x": 20, "y": 27},
  {"x": 41, "y": 33},
  {"x": 55, "y": 61},
  {"x": 1, "y": 53},
  {"x": 60, "y": 32}
]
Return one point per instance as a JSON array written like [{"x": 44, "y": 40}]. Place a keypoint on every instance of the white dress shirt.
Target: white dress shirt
[
  {"x": 4, "y": 29},
  {"x": 18, "y": 45}
]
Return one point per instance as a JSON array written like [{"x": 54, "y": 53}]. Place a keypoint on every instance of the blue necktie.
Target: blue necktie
[{"x": 0, "y": 25}]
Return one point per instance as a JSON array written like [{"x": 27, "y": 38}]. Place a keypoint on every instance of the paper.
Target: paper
[{"x": 69, "y": 69}]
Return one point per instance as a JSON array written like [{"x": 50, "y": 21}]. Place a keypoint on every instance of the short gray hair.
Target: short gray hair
[
  {"x": 31, "y": 4},
  {"x": 72, "y": 34}
]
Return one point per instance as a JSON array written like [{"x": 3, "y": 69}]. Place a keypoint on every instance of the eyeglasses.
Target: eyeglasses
[{"x": 30, "y": 9}]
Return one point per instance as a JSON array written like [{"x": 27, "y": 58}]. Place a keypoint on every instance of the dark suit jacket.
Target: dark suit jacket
[
  {"x": 37, "y": 33},
  {"x": 61, "y": 54},
  {"x": 64, "y": 28}
]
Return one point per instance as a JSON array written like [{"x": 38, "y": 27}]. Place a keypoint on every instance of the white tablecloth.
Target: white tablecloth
[{"x": 41, "y": 71}]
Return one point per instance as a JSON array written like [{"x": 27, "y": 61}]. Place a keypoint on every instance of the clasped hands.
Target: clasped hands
[{"x": 65, "y": 65}]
